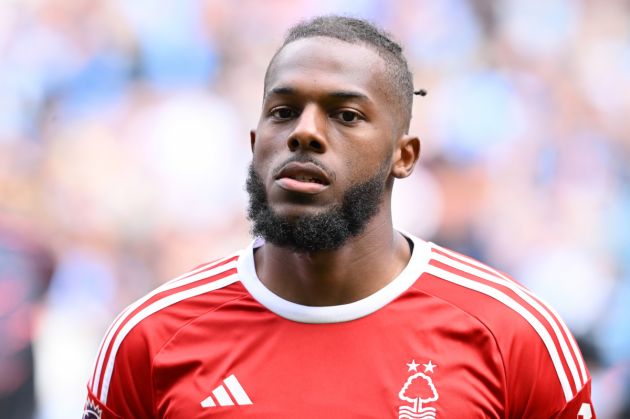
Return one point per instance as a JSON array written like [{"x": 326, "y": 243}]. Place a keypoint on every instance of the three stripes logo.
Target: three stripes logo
[{"x": 229, "y": 393}]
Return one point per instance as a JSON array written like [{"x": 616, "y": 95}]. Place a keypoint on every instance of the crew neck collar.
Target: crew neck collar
[{"x": 338, "y": 313}]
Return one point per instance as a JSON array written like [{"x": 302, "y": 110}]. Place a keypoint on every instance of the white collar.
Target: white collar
[{"x": 332, "y": 314}]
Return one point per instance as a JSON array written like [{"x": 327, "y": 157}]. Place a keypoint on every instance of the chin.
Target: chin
[{"x": 292, "y": 211}]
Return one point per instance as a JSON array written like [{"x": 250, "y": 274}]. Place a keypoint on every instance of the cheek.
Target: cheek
[
  {"x": 264, "y": 146},
  {"x": 367, "y": 161},
  {"x": 271, "y": 139},
  {"x": 267, "y": 155}
]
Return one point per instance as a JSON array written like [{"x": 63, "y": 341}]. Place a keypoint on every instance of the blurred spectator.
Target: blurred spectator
[{"x": 26, "y": 265}]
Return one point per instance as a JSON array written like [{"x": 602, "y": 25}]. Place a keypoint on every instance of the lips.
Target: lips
[{"x": 302, "y": 178}]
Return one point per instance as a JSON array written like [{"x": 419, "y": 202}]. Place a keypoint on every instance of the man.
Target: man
[{"x": 333, "y": 313}]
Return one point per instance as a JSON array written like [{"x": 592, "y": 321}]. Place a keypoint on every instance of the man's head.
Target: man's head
[
  {"x": 357, "y": 31},
  {"x": 331, "y": 137}
]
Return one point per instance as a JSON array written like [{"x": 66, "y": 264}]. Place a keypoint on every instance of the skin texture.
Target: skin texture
[{"x": 327, "y": 99}]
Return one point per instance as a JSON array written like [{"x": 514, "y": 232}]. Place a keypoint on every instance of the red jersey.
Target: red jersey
[{"x": 448, "y": 338}]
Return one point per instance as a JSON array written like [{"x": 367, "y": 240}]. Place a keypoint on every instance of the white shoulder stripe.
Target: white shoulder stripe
[
  {"x": 101, "y": 352},
  {"x": 527, "y": 315},
  {"x": 177, "y": 282},
  {"x": 153, "y": 308},
  {"x": 200, "y": 269},
  {"x": 530, "y": 300},
  {"x": 541, "y": 306}
]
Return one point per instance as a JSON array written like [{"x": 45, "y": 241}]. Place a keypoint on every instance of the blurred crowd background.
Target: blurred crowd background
[{"x": 124, "y": 142}]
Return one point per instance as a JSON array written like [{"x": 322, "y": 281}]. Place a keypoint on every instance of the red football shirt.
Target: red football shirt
[{"x": 448, "y": 338}]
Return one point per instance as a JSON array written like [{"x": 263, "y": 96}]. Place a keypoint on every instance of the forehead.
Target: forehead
[{"x": 323, "y": 64}]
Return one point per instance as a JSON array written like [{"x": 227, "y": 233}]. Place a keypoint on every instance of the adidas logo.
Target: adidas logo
[{"x": 229, "y": 393}]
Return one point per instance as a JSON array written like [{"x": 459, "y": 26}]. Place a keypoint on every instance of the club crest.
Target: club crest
[{"x": 419, "y": 391}]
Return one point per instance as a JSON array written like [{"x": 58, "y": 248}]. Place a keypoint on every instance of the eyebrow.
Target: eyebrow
[{"x": 338, "y": 94}]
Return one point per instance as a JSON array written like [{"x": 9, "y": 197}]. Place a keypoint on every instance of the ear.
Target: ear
[
  {"x": 405, "y": 156},
  {"x": 252, "y": 139}
]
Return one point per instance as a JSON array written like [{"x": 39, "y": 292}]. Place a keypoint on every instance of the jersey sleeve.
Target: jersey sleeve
[
  {"x": 580, "y": 407},
  {"x": 94, "y": 409},
  {"x": 546, "y": 375},
  {"x": 121, "y": 385}
]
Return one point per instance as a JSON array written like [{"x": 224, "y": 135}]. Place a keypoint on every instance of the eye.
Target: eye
[
  {"x": 348, "y": 116},
  {"x": 283, "y": 113}
]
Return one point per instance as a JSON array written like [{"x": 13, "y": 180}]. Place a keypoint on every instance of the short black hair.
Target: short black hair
[{"x": 354, "y": 30}]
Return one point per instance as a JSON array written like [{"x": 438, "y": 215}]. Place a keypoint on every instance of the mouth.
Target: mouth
[{"x": 305, "y": 178}]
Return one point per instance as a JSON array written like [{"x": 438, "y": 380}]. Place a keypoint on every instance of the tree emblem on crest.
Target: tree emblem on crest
[{"x": 418, "y": 390}]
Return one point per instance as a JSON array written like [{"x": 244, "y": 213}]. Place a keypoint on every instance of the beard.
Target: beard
[{"x": 328, "y": 230}]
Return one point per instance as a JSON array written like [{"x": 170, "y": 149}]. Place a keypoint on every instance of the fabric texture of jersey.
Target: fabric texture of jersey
[{"x": 448, "y": 338}]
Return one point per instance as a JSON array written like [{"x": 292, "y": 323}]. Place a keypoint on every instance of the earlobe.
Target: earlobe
[
  {"x": 252, "y": 139},
  {"x": 405, "y": 156}
]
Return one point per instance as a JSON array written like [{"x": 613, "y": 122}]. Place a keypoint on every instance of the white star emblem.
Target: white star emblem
[
  {"x": 428, "y": 367},
  {"x": 413, "y": 366}
]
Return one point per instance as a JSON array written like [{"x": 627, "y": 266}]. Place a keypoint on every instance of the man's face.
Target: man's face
[{"x": 327, "y": 128}]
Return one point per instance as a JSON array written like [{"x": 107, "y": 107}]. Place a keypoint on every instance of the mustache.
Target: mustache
[{"x": 304, "y": 158}]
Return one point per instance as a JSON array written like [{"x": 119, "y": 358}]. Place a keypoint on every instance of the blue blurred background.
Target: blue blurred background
[{"x": 124, "y": 142}]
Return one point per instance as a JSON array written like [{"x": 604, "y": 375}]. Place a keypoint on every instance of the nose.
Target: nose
[{"x": 309, "y": 133}]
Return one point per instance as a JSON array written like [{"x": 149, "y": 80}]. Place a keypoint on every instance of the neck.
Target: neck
[{"x": 362, "y": 266}]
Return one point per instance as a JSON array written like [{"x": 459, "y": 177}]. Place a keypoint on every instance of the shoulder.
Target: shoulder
[
  {"x": 141, "y": 329},
  {"x": 534, "y": 342}
]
